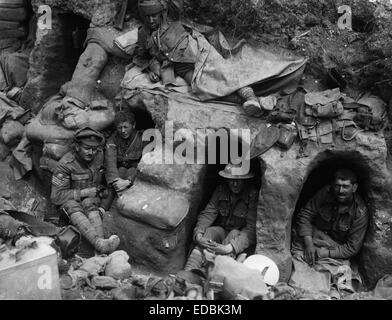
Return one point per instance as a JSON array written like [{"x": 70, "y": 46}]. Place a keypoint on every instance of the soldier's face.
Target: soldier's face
[
  {"x": 236, "y": 185},
  {"x": 125, "y": 129},
  {"x": 153, "y": 21},
  {"x": 344, "y": 190},
  {"x": 85, "y": 152}
]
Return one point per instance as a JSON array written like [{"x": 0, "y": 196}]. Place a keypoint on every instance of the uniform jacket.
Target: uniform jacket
[
  {"x": 240, "y": 215},
  {"x": 346, "y": 225},
  {"x": 71, "y": 176},
  {"x": 173, "y": 44},
  {"x": 122, "y": 153}
]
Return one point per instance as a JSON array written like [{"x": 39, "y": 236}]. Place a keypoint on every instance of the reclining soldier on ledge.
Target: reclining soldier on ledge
[
  {"x": 167, "y": 49},
  {"x": 227, "y": 226},
  {"x": 331, "y": 228},
  {"x": 77, "y": 188}
]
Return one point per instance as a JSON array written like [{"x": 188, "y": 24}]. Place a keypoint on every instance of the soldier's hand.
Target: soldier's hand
[
  {"x": 89, "y": 192},
  {"x": 310, "y": 254},
  {"x": 218, "y": 248},
  {"x": 310, "y": 251},
  {"x": 121, "y": 184},
  {"x": 201, "y": 240},
  {"x": 153, "y": 77}
]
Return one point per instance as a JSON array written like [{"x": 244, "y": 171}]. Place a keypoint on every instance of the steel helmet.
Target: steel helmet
[{"x": 266, "y": 266}]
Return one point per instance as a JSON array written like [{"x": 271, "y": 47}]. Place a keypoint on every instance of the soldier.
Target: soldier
[
  {"x": 227, "y": 226},
  {"x": 333, "y": 223},
  {"x": 123, "y": 152},
  {"x": 76, "y": 188},
  {"x": 172, "y": 51}
]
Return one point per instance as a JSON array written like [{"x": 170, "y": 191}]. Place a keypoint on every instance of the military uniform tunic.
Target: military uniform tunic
[
  {"x": 238, "y": 214},
  {"x": 122, "y": 153},
  {"x": 71, "y": 176},
  {"x": 346, "y": 225}
]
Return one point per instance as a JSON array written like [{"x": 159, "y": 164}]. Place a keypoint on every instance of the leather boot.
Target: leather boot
[
  {"x": 95, "y": 219},
  {"x": 83, "y": 224},
  {"x": 251, "y": 105}
]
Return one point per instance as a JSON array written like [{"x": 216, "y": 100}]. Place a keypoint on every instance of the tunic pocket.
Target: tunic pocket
[{"x": 80, "y": 180}]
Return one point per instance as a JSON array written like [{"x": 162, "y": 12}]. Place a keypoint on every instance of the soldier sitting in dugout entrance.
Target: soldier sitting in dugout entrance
[
  {"x": 340, "y": 214},
  {"x": 77, "y": 188},
  {"x": 227, "y": 226}
]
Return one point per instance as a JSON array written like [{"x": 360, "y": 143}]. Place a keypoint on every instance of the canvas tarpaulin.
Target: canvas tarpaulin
[
  {"x": 266, "y": 70},
  {"x": 218, "y": 74}
]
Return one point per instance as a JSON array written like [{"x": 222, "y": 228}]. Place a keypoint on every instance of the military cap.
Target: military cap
[
  {"x": 233, "y": 171},
  {"x": 151, "y": 7},
  {"x": 89, "y": 137}
]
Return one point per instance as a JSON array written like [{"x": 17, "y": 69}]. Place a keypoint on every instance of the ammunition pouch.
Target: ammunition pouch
[
  {"x": 328, "y": 111},
  {"x": 288, "y": 133},
  {"x": 365, "y": 119}
]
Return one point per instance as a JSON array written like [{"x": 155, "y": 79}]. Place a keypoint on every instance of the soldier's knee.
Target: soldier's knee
[
  {"x": 71, "y": 207},
  {"x": 90, "y": 204},
  {"x": 234, "y": 233}
]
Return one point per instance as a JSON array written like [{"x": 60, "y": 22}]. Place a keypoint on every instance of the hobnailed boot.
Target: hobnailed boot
[
  {"x": 83, "y": 224},
  {"x": 95, "y": 218},
  {"x": 251, "y": 105}
]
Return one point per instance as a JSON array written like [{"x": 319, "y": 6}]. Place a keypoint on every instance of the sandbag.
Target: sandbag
[
  {"x": 46, "y": 163},
  {"x": 95, "y": 265},
  {"x": 10, "y": 44},
  {"x": 159, "y": 207},
  {"x": 118, "y": 266},
  {"x": 12, "y": 3},
  {"x": 57, "y": 148},
  {"x": 11, "y": 131},
  {"x": 239, "y": 281},
  {"x": 4, "y": 151},
  {"x": 99, "y": 115},
  {"x": 37, "y": 131},
  {"x": 9, "y": 25},
  {"x": 103, "y": 282},
  {"x": 13, "y": 33},
  {"x": 13, "y": 14},
  {"x": 90, "y": 65}
]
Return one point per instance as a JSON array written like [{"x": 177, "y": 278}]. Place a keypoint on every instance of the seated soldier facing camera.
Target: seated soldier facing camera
[{"x": 77, "y": 188}]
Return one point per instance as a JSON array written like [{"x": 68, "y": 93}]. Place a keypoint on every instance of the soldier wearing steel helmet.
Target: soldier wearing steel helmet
[{"x": 227, "y": 226}]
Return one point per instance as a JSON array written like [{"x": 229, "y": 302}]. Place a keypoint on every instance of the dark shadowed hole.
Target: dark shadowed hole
[
  {"x": 213, "y": 180},
  {"x": 363, "y": 25},
  {"x": 74, "y": 34},
  {"x": 143, "y": 119}
]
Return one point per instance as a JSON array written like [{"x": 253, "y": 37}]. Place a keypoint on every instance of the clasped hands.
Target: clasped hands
[{"x": 213, "y": 246}]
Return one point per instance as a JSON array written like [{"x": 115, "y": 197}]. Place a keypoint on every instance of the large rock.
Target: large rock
[
  {"x": 162, "y": 251},
  {"x": 156, "y": 216}
]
